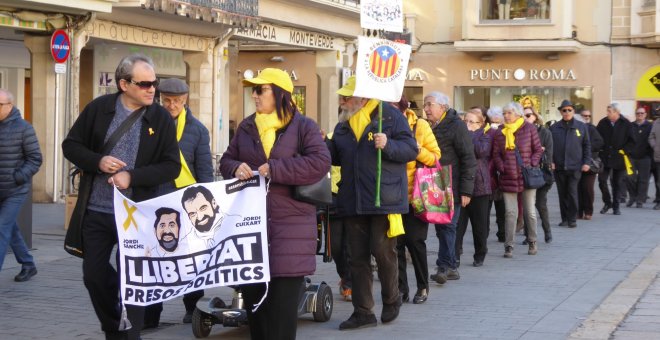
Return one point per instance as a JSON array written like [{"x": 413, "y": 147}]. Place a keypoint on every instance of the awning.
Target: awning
[{"x": 648, "y": 86}]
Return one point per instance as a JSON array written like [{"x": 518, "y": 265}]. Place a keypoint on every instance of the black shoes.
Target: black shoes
[
  {"x": 640, "y": 205},
  {"x": 630, "y": 203},
  {"x": 508, "y": 252},
  {"x": 359, "y": 320},
  {"x": 616, "y": 211},
  {"x": 390, "y": 312},
  {"x": 421, "y": 296},
  {"x": 405, "y": 297},
  {"x": 478, "y": 263},
  {"x": 25, "y": 274},
  {"x": 188, "y": 317},
  {"x": 572, "y": 224},
  {"x": 563, "y": 223},
  {"x": 548, "y": 238},
  {"x": 606, "y": 207}
]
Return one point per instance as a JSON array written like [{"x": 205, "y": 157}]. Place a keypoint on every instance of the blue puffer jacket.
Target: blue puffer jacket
[
  {"x": 571, "y": 144},
  {"x": 357, "y": 189},
  {"x": 20, "y": 157}
]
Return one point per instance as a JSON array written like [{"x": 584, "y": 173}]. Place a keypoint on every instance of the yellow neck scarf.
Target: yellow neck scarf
[
  {"x": 185, "y": 176},
  {"x": 268, "y": 124},
  {"x": 359, "y": 121},
  {"x": 486, "y": 128},
  {"x": 508, "y": 132}
]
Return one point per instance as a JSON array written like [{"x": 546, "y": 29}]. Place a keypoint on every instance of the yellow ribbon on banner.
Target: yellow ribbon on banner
[
  {"x": 396, "y": 225},
  {"x": 626, "y": 160},
  {"x": 129, "y": 219},
  {"x": 185, "y": 176}
]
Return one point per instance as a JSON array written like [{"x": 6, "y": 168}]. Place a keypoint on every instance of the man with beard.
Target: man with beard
[
  {"x": 204, "y": 213},
  {"x": 167, "y": 228}
]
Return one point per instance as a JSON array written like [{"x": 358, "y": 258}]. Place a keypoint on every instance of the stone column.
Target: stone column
[
  {"x": 200, "y": 81},
  {"x": 221, "y": 94},
  {"x": 328, "y": 68}
]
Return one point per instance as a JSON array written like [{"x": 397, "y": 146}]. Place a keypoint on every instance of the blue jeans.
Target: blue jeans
[
  {"x": 447, "y": 240},
  {"x": 10, "y": 235}
]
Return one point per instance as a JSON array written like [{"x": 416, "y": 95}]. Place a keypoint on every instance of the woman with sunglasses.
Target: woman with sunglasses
[
  {"x": 287, "y": 149},
  {"x": 546, "y": 164}
]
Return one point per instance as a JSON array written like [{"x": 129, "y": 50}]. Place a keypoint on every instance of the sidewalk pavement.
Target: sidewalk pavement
[{"x": 595, "y": 281}]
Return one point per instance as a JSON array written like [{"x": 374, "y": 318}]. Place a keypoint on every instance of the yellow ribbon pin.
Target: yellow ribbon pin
[
  {"x": 370, "y": 136},
  {"x": 577, "y": 133},
  {"x": 151, "y": 131},
  {"x": 130, "y": 219}
]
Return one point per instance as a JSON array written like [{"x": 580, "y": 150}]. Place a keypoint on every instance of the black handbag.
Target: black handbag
[
  {"x": 319, "y": 193},
  {"x": 532, "y": 176},
  {"x": 547, "y": 170},
  {"x": 73, "y": 241},
  {"x": 595, "y": 165}
]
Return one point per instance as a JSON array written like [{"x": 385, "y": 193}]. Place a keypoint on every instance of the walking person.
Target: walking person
[
  {"x": 145, "y": 155},
  {"x": 546, "y": 163},
  {"x": 497, "y": 200},
  {"x": 571, "y": 157},
  {"x": 455, "y": 143},
  {"x": 641, "y": 156},
  {"x": 353, "y": 147},
  {"x": 477, "y": 210},
  {"x": 194, "y": 143},
  {"x": 19, "y": 161},
  {"x": 416, "y": 230},
  {"x": 518, "y": 136},
  {"x": 287, "y": 149},
  {"x": 654, "y": 141},
  {"x": 616, "y": 131},
  {"x": 588, "y": 179}
]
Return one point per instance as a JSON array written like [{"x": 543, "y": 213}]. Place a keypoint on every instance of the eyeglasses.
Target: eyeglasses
[
  {"x": 259, "y": 89},
  {"x": 3, "y": 104},
  {"x": 473, "y": 122},
  {"x": 586, "y": 116},
  {"x": 527, "y": 115},
  {"x": 145, "y": 85},
  {"x": 566, "y": 110},
  {"x": 640, "y": 113},
  {"x": 345, "y": 98}
]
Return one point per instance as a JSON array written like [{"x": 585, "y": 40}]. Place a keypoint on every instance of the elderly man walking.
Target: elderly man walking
[
  {"x": 353, "y": 147},
  {"x": 19, "y": 161}
]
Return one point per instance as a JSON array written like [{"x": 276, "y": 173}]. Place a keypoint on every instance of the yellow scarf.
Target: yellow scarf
[
  {"x": 396, "y": 225},
  {"x": 186, "y": 177},
  {"x": 268, "y": 124},
  {"x": 486, "y": 128},
  {"x": 359, "y": 121},
  {"x": 626, "y": 161},
  {"x": 508, "y": 132}
]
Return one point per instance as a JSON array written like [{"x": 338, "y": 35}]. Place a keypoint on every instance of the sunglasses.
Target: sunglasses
[
  {"x": 259, "y": 89},
  {"x": 566, "y": 110},
  {"x": 345, "y": 98},
  {"x": 528, "y": 115},
  {"x": 640, "y": 113},
  {"x": 145, "y": 85},
  {"x": 586, "y": 116}
]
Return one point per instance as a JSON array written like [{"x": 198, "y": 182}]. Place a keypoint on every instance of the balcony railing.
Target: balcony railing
[
  {"x": 242, "y": 7},
  {"x": 240, "y": 13}
]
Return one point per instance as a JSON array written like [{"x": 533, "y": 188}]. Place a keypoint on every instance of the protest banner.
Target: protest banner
[
  {"x": 382, "y": 15},
  {"x": 202, "y": 236},
  {"x": 381, "y": 69}
]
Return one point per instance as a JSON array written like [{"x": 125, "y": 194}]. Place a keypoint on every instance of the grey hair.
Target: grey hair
[
  {"x": 495, "y": 112},
  {"x": 579, "y": 118},
  {"x": 9, "y": 95},
  {"x": 515, "y": 107},
  {"x": 126, "y": 65},
  {"x": 440, "y": 97},
  {"x": 615, "y": 107}
]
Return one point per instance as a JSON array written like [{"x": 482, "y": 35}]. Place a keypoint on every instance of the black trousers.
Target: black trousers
[
  {"x": 500, "y": 211},
  {"x": 656, "y": 179},
  {"x": 368, "y": 236},
  {"x": 415, "y": 240},
  {"x": 567, "y": 188},
  {"x": 101, "y": 279},
  {"x": 152, "y": 312},
  {"x": 340, "y": 250},
  {"x": 617, "y": 178},
  {"x": 477, "y": 213},
  {"x": 586, "y": 194},
  {"x": 277, "y": 316},
  {"x": 638, "y": 183},
  {"x": 542, "y": 207}
]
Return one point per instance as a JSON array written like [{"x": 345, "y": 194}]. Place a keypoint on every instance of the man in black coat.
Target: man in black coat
[
  {"x": 640, "y": 156},
  {"x": 571, "y": 156},
  {"x": 616, "y": 132},
  {"x": 588, "y": 179},
  {"x": 457, "y": 150},
  {"x": 145, "y": 156}
]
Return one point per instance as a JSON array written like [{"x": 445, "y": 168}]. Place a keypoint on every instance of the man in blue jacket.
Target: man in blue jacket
[
  {"x": 19, "y": 161},
  {"x": 353, "y": 147},
  {"x": 571, "y": 157}
]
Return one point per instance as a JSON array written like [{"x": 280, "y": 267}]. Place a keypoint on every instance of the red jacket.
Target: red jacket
[{"x": 529, "y": 145}]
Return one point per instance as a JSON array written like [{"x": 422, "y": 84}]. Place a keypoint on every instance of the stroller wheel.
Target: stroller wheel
[
  {"x": 324, "y": 304},
  {"x": 201, "y": 324}
]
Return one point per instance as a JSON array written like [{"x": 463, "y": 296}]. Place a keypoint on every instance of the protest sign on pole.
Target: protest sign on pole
[
  {"x": 201, "y": 236},
  {"x": 382, "y": 15},
  {"x": 381, "y": 69}
]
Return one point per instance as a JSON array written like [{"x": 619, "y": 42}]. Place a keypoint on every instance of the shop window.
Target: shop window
[
  {"x": 415, "y": 96},
  {"x": 106, "y": 84},
  {"x": 299, "y": 98},
  {"x": 504, "y": 10}
]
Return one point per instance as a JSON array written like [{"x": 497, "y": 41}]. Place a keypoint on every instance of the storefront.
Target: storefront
[{"x": 647, "y": 93}]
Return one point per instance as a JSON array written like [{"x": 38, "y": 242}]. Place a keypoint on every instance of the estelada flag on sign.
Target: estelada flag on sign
[{"x": 381, "y": 69}]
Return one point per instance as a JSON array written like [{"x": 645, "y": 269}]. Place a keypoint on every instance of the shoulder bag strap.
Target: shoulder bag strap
[
  {"x": 519, "y": 158},
  {"x": 121, "y": 130}
]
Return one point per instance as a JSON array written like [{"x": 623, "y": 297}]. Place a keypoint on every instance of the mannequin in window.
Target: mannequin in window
[
  {"x": 543, "y": 9},
  {"x": 504, "y": 9},
  {"x": 536, "y": 9}
]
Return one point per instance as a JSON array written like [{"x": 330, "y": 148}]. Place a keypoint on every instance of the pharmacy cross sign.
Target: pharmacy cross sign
[{"x": 60, "y": 45}]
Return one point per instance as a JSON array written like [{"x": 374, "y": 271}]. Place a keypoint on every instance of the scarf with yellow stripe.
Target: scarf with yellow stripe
[
  {"x": 508, "y": 132},
  {"x": 268, "y": 124},
  {"x": 186, "y": 177}
]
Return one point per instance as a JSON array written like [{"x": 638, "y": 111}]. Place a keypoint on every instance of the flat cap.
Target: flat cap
[{"x": 173, "y": 86}]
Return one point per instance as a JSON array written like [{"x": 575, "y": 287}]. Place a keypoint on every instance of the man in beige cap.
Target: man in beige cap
[{"x": 196, "y": 166}]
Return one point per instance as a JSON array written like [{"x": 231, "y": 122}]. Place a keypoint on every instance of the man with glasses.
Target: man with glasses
[
  {"x": 616, "y": 131},
  {"x": 640, "y": 156},
  {"x": 571, "y": 157},
  {"x": 19, "y": 161},
  {"x": 588, "y": 179},
  {"x": 145, "y": 155}
]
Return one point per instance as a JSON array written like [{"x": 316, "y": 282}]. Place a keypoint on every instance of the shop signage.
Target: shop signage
[
  {"x": 415, "y": 75},
  {"x": 289, "y": 36},
  {"x": 544, "y": 74},
  {"x": 656, "y": 81}
]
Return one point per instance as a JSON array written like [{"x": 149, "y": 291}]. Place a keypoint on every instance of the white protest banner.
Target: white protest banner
[
  {"x": 202, "y": 236},
  {"x": 382, "y": 15},
  {"x": 381, "y": 69}
]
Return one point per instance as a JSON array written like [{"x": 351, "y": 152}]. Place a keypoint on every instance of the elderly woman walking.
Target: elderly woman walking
[{"x": 518, "y": 136}]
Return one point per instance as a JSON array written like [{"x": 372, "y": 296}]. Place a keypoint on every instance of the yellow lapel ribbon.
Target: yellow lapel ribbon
[
  {"x": 186, "y": 177},
  {"x": 268, "y": 124},
  {"x": 129, "y": 219},
  {"x": 577, "y": 133},
  {"x": 626, "y": 160},
  {"x": 508, "y": 132},
  {"x": 370, "y": 136},
  {"x": 486, "y": 128},
  {"x": 359, "y": 121},
  {"x": 396, "y": 225}
]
